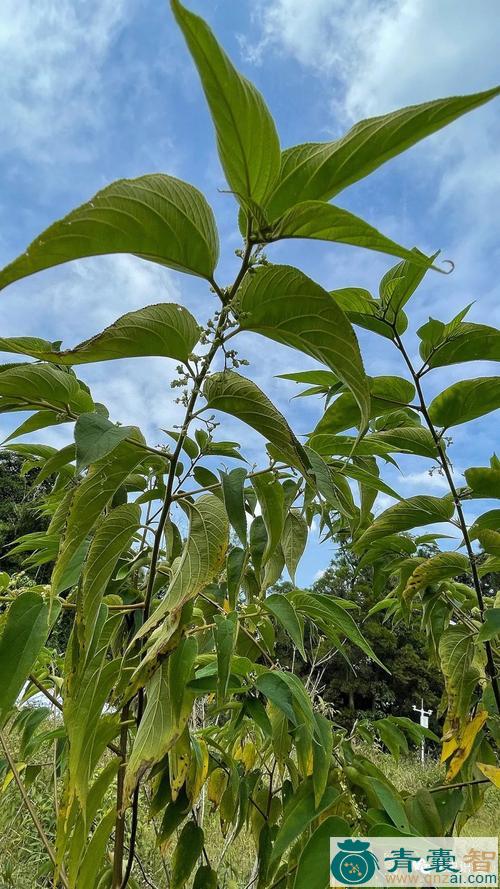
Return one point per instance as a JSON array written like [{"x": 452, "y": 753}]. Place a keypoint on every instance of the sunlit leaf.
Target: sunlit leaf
[{"x": 155, "y": 217}]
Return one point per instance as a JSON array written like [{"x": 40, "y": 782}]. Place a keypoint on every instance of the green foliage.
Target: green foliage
[{"x": 171, "y": 668}]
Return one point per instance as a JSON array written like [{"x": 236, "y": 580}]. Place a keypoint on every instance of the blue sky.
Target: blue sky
[{"x": 95, "y": 91}]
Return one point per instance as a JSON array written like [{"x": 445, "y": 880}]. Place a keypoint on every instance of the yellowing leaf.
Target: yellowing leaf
[
  {"x": 465, "y": 744},
  {"x": 491, "y": 772}
]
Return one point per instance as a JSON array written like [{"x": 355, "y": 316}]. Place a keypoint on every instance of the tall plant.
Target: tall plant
[{"x": 170, "y": 679}]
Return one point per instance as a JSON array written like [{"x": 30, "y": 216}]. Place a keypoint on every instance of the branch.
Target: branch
[
  {"x": 443, "y": 461},
  {"x": 31, "y": 809}
]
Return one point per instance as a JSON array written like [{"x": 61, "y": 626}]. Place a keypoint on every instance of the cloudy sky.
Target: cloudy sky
[{"x": 95, "y": 91}]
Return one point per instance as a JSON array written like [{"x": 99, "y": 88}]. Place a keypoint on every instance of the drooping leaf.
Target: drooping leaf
[
  {"x": 329, "y": 614},
  {"x": 322, "y": 755},
  {"x": 465, "y": 401},
  {"x": 226, "y": 631},
  {"x": 201, "y": 559},
  {"x": 247, "y": 140},
  {"x": 181, "y": 665},
  {"x": 155, "y": 217},
  {"x": 90, "y": 498},
  {"x": 294, "y": 540},
  {"x": 491, "y": 772},
  {"x": 285, "y": 613},
  {"x": 313, "y": 870},
  {"x": 187, "y": 851},
  {"x": 456, "y": 651},
  {"x": 112, "y": 537},
  {"x": 282, "y": 303},
  {"x": 298, "y": 815},
  {"x": 411, "y": 513},
  {"x": 159, "y": 728},
  {"x": 325, "y": 222},
  {"x": 320, "y": 170},
  {"x": 272, "y": 500},
  {"x": 235, "y": 395},
  {"x": 233, "y": 484},
  {"x": 94, "y": 854},
  {"x": 25, "y": 631}
]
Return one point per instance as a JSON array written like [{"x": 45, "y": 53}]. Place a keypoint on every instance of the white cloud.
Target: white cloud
[{"x": 50, "y": 85}]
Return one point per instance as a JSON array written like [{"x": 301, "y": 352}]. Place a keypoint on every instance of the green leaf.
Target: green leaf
[
  {"x": 399, "y": 284},
  {"x": 90, "y": 498},
  {"x": 226, "y": 630},
  {"x": 271, "y": 498},
  {"x": 201, "y": 559},
  {"x": 324, "y": 222},
  {"x": 159, "y": 729},
  {"x": 96, "y": 437},
  {"x": 407, "y": 440},
  {"x": 205, "y": 878},
  {"x": 229, "y": 392},
  {"x": 287, "y": 692},
  {"x": 40, "y": 385},
  {"x": 181, "y": 666},
  {"x": 313, "y": 870},
  {"x": 465, "y": 401},
  {"x": 233, "y": 484},
  {"x": 96, "y": 849},
  {"x": 491, "y": 626},
  {"x": 112, "y": 537},
  {"x": 322, "y": 378},
  {"x": 441, "y": 567},
  {"x": 392, "y": 802},
  {"x": 24, "y": 632},
  {"x": 39, "y": 420},
  {"x": 285, "y": 613},
  {"x": 328, "y": 614},
  {"x": 187, "y": 851},
  {"x": 322, "y": 755},
  {"x": 456, "y": 652},
  {"x": 164, "y": 330},
  {"x": 156, "y": 217},
  {"x": 320, "y": 170},
  {"x": 294, "y": 540},
  {"x": 468, "y": 342},
  {"x": 411, "y": 513},
  {"x": 247, "y": 140},
  {"x": 483, "y": 481},
  {"x": 365, "y": 311},
  {"x": 298, "y": 815},
  {"x": 282, "y": 303},
  {"x": 386, "y": 393}
]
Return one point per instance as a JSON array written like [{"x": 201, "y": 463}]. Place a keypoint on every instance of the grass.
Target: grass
[{"x": 23, "y": 862}]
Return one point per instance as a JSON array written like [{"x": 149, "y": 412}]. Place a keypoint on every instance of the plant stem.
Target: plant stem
[
  {"x": 31, "y": 809},
  {"x": 443, "y": 461},
  {"x": 120, "y": 813},
  {"x": 169, "y": 497}
]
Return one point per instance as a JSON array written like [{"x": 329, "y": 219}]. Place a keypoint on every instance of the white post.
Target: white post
[{"x": 424, "y": 721}]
